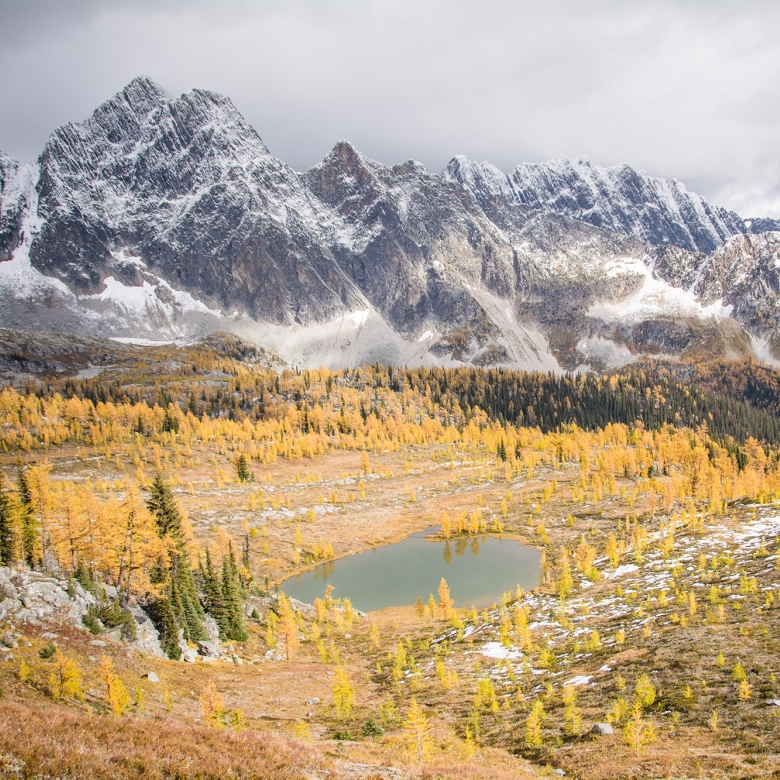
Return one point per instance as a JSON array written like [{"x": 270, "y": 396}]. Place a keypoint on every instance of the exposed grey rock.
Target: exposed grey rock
[
  {"x": 189, "y": 655},
  {"x": 745, "y": 273},
  {"x": 163, "y": 217},
  {"x": 211, "y": 649},
  {"x": 110, "y": 592},
  {"x": 33, "y": 596},
  {"x": 307, "y": 610},
  {"x": 315, "y": 700},
  {"x": 772, "y": 702},
  {"x": 763, "y": 225},
  {"x": 152, "y": 677},
  {"x": 619, "y": 199},
  {"x": 212, "y": 629},
  {"x": 97, "y": 643},
  {"x": 358, "y": 771},
  {"x": 603, "y": 729},
  {"x": 147, "y": 639},
  {"x": 249, "y": 610}
]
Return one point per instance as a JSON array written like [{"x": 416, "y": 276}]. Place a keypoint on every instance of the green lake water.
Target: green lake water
[{"x": 478, "y": 570}]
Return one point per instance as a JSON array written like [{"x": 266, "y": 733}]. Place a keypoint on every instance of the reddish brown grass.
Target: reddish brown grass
[{"x": 55, "y": 741}]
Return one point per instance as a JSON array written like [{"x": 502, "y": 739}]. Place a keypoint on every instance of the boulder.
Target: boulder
[
  {"x": 211, "y": 648},
  {"x": 147, "y": 640},
  {"x": 152, "y": 677},
  {"x": 212, "y": 629},
  {"x": 602, "y": 729},
  {"x": 189, "y": 655}
]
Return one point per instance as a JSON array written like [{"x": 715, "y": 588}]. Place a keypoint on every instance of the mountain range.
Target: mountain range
[{"x": 162, "y": 218}]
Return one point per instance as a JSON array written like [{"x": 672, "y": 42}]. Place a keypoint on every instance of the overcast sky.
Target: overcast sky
[{"x": 679, "y": 88}]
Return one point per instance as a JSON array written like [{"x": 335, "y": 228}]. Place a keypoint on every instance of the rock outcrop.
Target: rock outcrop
[
  {"x": 619, "y": 199},
  {"x": 34, "y": 597},
  {"x": 29, "y": 596}
]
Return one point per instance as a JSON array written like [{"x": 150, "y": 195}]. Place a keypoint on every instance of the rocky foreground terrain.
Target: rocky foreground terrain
[{"x": 160, "y": 218}]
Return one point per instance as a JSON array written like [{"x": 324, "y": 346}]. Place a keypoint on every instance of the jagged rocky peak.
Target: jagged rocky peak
[
  {"x": 619, "y": 199},
  {"x": 13, "y": 199},
  {"x": 165, "y": 217},
  {"x": 345, "y": 178},
  {"x": 141, "y": 132},
  {"x": 763, "y": 225},
  {"x": 187, "y": 188}
]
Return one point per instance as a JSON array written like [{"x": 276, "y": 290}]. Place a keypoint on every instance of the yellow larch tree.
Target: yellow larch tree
[{"x": 445, "y": 599}]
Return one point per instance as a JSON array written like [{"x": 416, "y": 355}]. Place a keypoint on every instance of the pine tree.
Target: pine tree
[
  {"x": 118, "y": 697},
  {"x": 231, "y": 598},
  {"x": 533, "y": 725},
  {"x": 242, "y": 469},
  {"x": 8, "y": 540},
  {"x": 166, "y": 512},
  {"x": 83, "y": 576},
  {"x": 182, "y": 595},
  {"x": 165, "y": 623},
  {"x": 343, "y": 694},
  {"x": 445, "y": 599},
  {"x": 28, "y": 523},
  {"x": 212, "y": 706},
  {"x": 638, "y": 733},
  {"x": 65, "y": 679},
  {"x": 212, "y": 594},
  {"x": 565, "y": 580}
]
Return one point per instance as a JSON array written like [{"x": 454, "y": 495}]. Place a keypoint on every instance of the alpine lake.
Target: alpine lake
[{"x": 477, "y": 569}]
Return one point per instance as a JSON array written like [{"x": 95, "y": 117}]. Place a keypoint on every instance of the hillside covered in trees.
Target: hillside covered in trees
[{"x": 181, "y": 485}]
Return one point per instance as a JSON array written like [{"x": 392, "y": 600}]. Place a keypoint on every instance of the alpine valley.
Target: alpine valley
[
  {"x": 160, "y": 219},
  {"x": 368, "y": 473}
]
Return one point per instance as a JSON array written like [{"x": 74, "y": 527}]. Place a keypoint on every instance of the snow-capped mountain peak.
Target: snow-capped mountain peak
[
  {"x": 161, "y": 217},
  {"x": 618, "y": 198}
]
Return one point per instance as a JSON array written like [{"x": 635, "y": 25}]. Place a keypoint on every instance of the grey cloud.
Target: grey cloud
[{"x": 682, "y": 88}]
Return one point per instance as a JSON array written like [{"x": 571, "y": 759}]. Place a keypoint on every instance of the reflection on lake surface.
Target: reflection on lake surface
[{"x": 478, "y": 570}]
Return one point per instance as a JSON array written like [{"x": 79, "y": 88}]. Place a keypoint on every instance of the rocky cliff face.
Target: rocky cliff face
[
  {"x": 745, "y": 274},
  {"x": 619, "y": 199},
  {"x": 162, "y": 218}
]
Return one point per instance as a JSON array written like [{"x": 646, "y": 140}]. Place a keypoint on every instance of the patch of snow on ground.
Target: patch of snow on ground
[
  {"x": 621, "y": 571},
  {"x": 656, "y": 298},
  {"x": 497, "y": 650},
  {"x": 611, "y": 354},
  {"x": 358, "y": 318},
  {"x": 582, "y": 679},
  {"x": 142, "y": 342}
]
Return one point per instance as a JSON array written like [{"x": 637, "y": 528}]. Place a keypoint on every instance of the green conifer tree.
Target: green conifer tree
[
  {"x": 212, "y": 592},
  {"x": 182, "y": 595},
  {"x": 165, "y": 621},
  {"x": 83, "y": 576},
  {"x": 233, "y": 604},
  {"x": 242, "y": 469},
  {"x": 28, "y": 523}
]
